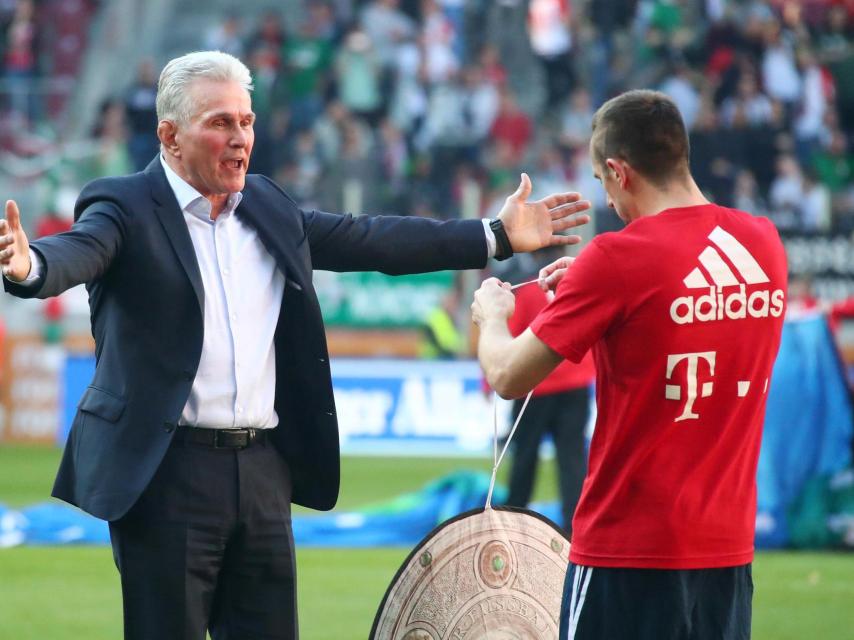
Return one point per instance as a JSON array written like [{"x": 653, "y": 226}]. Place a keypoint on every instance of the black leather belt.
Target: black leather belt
[{"x": 220, "y": 438}]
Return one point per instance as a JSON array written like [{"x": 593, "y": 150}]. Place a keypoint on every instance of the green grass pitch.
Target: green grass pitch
[{"x": 73, "y": 592}]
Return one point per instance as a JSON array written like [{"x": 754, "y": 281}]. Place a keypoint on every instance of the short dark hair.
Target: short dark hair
[{"x": 645, "y": 129}]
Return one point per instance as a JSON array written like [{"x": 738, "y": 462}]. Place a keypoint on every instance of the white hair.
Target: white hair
[{"x": 173, "y": 100}]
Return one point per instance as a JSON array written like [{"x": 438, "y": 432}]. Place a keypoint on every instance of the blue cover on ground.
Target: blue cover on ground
[
  {"x": 808, "y": 424},
  {"x": 401, "y": 521}
]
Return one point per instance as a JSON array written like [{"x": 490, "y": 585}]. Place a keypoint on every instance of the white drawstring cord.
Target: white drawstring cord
[{"x": 497, "y": 462}]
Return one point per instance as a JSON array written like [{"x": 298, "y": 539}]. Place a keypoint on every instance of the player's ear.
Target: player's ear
[{"x": 619, "y": 171}]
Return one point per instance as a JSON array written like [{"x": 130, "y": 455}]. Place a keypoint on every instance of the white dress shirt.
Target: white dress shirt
[{"x": 236, "y": 380}]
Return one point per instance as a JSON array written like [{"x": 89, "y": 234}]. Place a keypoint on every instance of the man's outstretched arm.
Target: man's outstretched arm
[{"x": 513, "y": 366}]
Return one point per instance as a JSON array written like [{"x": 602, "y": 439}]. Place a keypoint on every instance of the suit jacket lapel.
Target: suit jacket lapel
[
  {"x": 275, "y": 236},
  {"x": 168, "y": 212}
]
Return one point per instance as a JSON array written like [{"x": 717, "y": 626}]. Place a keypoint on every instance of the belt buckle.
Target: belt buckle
[{"x": 234, "y": 438}]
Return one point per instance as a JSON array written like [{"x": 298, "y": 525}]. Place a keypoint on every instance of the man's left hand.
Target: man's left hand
[
  {"x": 493, "y": 300},
  {"x": 534, "y": 225}
]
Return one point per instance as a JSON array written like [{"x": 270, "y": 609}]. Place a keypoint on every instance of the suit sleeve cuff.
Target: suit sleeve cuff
[
  {"x": 36, "y": 269},
  {"x": 490, "y": 239}
]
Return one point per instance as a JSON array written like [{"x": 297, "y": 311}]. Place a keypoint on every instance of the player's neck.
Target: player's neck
[{"x": 653, "y": 200}]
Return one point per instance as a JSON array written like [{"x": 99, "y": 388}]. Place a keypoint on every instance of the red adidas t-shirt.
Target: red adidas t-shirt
[{"x": 684, "y": 312}]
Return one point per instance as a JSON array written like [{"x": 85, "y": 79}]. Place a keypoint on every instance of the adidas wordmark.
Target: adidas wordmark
[{"x": 717, "y": 275}]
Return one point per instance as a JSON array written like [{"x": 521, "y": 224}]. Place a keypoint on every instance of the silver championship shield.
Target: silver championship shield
[{"x": 488, "y": 574}]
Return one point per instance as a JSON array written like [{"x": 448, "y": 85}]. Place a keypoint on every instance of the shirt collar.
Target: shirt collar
[{"x": 191, "y": 200}]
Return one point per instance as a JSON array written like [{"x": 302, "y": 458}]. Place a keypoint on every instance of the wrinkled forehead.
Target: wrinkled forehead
[{"x": 209, "y": 97}]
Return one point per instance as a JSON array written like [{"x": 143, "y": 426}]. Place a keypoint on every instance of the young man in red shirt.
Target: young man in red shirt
[{"x": 683, "y": 310}]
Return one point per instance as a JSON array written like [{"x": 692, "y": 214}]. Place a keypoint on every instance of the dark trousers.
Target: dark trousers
[
  {"x": 656, "y": 604},
  {"x": 209, "y": 546},
  {"x": 563, "y": 415}
]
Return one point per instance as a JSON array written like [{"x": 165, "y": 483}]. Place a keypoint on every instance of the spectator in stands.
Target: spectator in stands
[
  {"x": 20, "y": 63},
  {"x": 440, "y": 338},
  {"x": 351, "y": 178},
  {"x": 609, "y": 17},
  {"x": 142, "y": 115},
  {"x": 787, "y": 193},
  {"x": 815, "y": 209},
  {"x": 680, "y": 87},
  {"x": 358, "y": 77},
  {"x": 387, "y": 26},
  {"x": 437, "y": 38},
  {"x": 809, "y": 126},
  {"x": 747, "y": 197},
  {"x": 494, "y": 71},
  {"x": 711, "y": 153},
  {"x": 512, "y": 125},
  {"x": 306, "y": 56},
  {"x": 550, "y": 168},
  {"x": 575, "y": 119},
  {"x": 110, "y": 157},
  {"x": 749, "y": 103},
  {"x": 395, "y": 160},
  {"x": 307, "y": 168},
  {"x": 834, "y": 163},
  {"x": 408, "y": 99},
  {"x": 51, "y": 222},
  {"x": 481, "y": 99},
  {"x": 271, "y": 31},
  {"x": 550, "y": 32},
  {"x": 780, "y": 75},
  {"x": 226, "y": 36}
]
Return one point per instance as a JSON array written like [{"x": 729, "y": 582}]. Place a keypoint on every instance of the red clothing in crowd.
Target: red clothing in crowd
[{"x": 530, "y": 300}]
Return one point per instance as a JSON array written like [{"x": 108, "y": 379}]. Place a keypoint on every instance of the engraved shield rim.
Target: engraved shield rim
[{"x": 438, "y": 529}]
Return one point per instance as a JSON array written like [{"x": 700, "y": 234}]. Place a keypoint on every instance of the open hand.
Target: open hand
[
  {"x": 14, "y": 246},
  {"x": 534, "y": 225}
]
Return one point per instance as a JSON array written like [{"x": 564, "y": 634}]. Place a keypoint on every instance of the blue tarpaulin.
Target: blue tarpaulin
[{"x": 808, "y": 424}]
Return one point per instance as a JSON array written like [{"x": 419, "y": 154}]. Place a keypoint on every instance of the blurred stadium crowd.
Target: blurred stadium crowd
[{"x": 395, "y": 105}]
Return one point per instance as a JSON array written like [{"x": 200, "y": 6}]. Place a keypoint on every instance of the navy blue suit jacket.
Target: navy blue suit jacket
[{"x": 131, "y": 247}]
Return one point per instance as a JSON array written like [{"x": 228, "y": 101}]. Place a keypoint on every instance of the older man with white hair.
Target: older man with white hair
[{"x": 211, "y": 408}]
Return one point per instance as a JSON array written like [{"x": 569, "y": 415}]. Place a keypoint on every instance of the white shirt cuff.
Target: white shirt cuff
[
  {"x": 36, "y": 268},
  {"x": 490, "y": 238}
]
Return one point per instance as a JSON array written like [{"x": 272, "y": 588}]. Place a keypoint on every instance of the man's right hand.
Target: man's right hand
[
  {"x": 553, "y": 273},
  {"x": 14, "y": 246}
]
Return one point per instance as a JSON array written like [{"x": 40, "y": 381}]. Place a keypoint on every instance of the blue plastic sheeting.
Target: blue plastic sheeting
[
  {"x": 50, "y": 523},
  {"x": 808, "y": 424},
  {"x": 402, "y": 521}
]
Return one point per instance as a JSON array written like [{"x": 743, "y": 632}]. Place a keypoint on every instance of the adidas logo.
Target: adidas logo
[{"x": 726, "y": 263}]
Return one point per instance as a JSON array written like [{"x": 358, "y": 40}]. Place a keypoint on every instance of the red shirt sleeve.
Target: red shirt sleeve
[{"x": 588, "y": 301}]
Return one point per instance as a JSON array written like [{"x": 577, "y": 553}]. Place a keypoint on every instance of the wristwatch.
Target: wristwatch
[{"x": 503, "y": 248}]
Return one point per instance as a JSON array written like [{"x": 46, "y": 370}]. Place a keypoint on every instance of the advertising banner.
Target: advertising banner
[
  {"x": 32, "y": 389},
  {"x": 827, "y": 260},
  {"x": 379, "y": 300}
]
